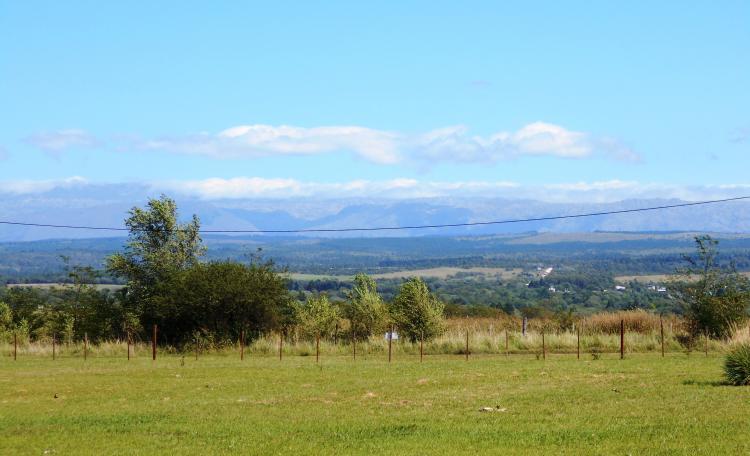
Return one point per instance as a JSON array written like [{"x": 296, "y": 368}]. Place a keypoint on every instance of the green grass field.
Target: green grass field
[{"x": 219, "y": 404}]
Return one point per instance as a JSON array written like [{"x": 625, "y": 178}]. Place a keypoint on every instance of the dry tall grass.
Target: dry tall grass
[
  {"x": 598, "y": 333},
  {"x": 452, "y": 342},
  {"x": 639, "y": 321}
]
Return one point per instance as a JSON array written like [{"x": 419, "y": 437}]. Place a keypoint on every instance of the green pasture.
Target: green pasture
[{"x": 517, "y": 404}]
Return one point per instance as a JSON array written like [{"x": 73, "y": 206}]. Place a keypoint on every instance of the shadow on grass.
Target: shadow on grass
[{"x": 706, "y": 382}]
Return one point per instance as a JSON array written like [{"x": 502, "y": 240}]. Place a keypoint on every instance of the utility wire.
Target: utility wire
[{"x": 395, "y": 228}]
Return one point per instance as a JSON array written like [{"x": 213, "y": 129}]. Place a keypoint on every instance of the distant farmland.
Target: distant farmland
[
  {"x": 439, "y": 272},
  {"x": 656, "y": 278}
]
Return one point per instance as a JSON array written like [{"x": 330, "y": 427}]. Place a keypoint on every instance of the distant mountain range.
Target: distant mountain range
[{"x": 107, "y": 205}]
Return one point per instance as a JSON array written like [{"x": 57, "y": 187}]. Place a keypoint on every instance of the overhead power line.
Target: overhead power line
[{"x": 396, "y": 228}]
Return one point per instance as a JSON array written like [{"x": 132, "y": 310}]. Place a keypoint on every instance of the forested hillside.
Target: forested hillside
[{"x": 584, "y": 266}]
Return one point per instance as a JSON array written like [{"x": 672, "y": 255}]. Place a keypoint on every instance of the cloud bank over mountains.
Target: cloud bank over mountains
[
  {"x": 398, "y": 189},
  {"x": 450, "y": 144},
  {"x": 284, "y": 204}
]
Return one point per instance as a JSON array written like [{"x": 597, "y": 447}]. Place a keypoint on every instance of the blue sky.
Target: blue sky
[{"x": 257, "y": 99}]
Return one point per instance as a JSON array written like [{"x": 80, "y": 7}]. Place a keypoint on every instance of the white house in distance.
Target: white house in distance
[
  {"x": 545, "y": 272},
  {"x": 620, "y": 288}
]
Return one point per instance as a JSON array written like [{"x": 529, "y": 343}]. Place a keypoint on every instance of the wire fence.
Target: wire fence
[{"x": 459, "y": 342}]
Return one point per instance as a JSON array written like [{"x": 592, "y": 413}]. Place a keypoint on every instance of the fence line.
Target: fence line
[{"x": 540, "y": 343}]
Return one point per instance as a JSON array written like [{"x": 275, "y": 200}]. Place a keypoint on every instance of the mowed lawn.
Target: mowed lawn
[{"x": 221, "y": 405}]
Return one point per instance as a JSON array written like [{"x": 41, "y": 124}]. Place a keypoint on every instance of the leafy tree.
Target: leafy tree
[
  {"x": 221, "y": 298},
  {"x": 365, "y": 309},
  {"x": 317, "y": 316},
  {"x": 82, "y": 278},
  {"x": 6, "y": 320},
  {"x": 6, "y": 316},
  {"x": 158, "y": 247},
  {"x": 416, "y": 311},
  {"x": 715, "y": 297}
]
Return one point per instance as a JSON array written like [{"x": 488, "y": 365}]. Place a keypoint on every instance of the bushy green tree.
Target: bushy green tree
[
  {"x": 6, "y": 316},
  {"x": 6, "y": 320},
  {"x": 416, "y": 311},
  {"x": 221, "y": 298},
  {"x": 158, "y": 248},
  {"x": 317, "y": 316},
  {"x": 715, "y": 297},
  {"x": 365, "y": 309}
]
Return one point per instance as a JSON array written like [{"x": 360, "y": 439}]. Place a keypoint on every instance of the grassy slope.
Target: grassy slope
[{"x": 220, "y": 405}]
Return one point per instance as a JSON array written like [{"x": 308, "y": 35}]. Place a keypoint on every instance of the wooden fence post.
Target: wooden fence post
[
  {"x": 467, "y": 345},
  {"x": 506, "y": 342},
  {"x": 544, "y": 347},
  {"x": 317, "y": 348},
  {"x": 354, "y": 345},
  {"x": 706, "y": 342},
  {"x": 622, "y": 339},
  {"x": 421, "y": 346},
  {"x": 390, "y": 340},
  {"x": 15, "y": 346},
  {"x": 53, "y": 347},
  {"x": 242, "y": 344},
  {"x": 153, "y": 342},
  {"x": 129, "y": 341},
  {"x": 578, "y": 342},
  {"x": 661, "y": 324}
]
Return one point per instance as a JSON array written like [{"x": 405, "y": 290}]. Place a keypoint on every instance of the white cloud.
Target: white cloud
[
  {"x": 256, "y": 187},
  {"x": 542, "y": 138},
  {"x": 247, "y": 141},
  {"x": 595, "y": 186},
  {"x": 595, "y": 192},
  {"x": 404, "y": 188},
  {"x": 452, "y": 144},
  {"x": 61, "y": 140},
  {"x": 25, "y": 187},
  {"x": 535, "y": 139}
]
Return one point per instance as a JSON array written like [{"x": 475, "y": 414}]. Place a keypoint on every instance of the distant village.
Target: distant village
[{"x": 543, "y": 272}]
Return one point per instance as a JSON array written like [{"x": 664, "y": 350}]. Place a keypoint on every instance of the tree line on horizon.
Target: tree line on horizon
[{"x": 168, "y": 285}]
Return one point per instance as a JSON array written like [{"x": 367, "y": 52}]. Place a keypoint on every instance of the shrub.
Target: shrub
[
  {"x": 737, "y": 365},
  {"x": 6, "y": 320},
  {"x": 365, "y": 310},
  {"x": 718, "y": 299},
  {"x": 417, "y": 312},
  {"x": 317, "y": 316},
  {"x": 687, "y": 340}
]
